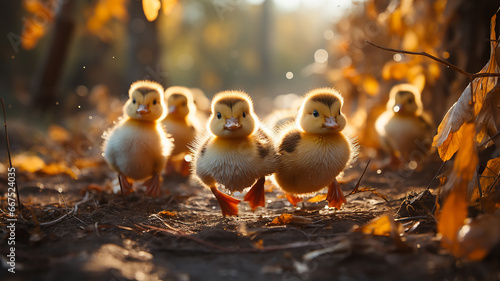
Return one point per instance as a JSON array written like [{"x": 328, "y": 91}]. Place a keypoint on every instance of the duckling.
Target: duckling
[
  {"x": 404, "y": 130},
  {"x": 235, "y": 152},
  {"x": 181, "y": 123},
  {"x": 137, "y": 147},
  {"x": 313, "y": 151}
]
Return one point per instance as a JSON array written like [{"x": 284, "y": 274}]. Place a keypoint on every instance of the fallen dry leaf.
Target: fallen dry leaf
[
  {"x": 382, "y": 226},
  {"x": 28, "y": 163},
  {"x": 469, "y": 105},
  {"x": 285, "y": 219},
  {"x": 317, "y": 198}
]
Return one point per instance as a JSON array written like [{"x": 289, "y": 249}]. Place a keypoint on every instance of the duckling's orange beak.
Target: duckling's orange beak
[
  {"x": 330, "y": 123},
  {"x": 143, "y": 109},
  {"x": 397, "y": 108},
  {"x": 232, "y": 124}
]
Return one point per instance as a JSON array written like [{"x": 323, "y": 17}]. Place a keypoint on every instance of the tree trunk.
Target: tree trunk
[{"x": 45, "y": 92}]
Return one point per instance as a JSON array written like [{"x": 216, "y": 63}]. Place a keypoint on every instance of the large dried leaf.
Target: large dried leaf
[
  {"x": 453, "y": 215},
  {"x": 454, "y": 210},
  {"x": 468, "y": 105}
]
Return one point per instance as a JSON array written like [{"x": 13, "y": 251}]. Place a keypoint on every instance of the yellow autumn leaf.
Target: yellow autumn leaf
[
  {"x": 382, "y": 226},
  {"x": 28, "y": 163},
  {"x": 56, "y": 169},
  {"x": 151, "y": 8},
  {"x": 317, "y": 198}
]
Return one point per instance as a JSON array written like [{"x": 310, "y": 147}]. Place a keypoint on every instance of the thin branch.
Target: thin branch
[
  {"x": 452, "y": 66},
  {"x": 359, "y": 180},
  {"x": 73, "y": 211},
  {"x": 8, "y": 153},
  {"x": 435, "y": 176}
]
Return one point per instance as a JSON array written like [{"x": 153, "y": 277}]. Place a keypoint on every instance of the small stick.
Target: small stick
[
  {"x": 19, "y": 205},
  {"x": 359, "y": 181}
]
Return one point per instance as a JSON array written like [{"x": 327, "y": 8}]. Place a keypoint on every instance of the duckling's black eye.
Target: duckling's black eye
[
  {"x": 244, "y": 114},
  {"x": 315, "y": 113},
  {"x": 154, "y": 102},
  {"x": 410, "y": 101},
  {"x": 219, "y": 116},
  {"x": 133, "y": 101}
]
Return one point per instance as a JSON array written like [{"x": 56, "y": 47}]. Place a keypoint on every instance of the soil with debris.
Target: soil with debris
[{"x": 182, "y": 235}]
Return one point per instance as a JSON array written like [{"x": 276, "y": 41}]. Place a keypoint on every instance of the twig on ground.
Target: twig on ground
[{"x": 73, "y": 211}]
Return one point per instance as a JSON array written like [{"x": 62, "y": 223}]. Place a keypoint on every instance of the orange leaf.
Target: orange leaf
[
  {"x": 467, "y": 159},
  {"x": 452, "y": 216},
  {"x": 285, "y": 219},
  {"x": 167, "y": 213},
  {"x": 317, "y": 198},
  {"x": 58, "y": 168},
  {"x": 454, "y": 210},
  {"x": 282, "y": 219},
  {"x": 151, "y": 8},
  {"x": 382, "y": 226},
  {"x": 28, "y": 163}
]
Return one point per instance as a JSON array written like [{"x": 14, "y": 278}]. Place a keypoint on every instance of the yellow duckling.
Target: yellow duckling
[
  {"x": 405, "y": 131},
  {"x": 236, "y": 152},
  {"x": 181, "y": 123},
  {"x": 313, "y": 151},
  {"x": 137, "y": 147}
]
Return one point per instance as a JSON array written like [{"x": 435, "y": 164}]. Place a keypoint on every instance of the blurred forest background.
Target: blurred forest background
[{"x": 60, "y": 57}]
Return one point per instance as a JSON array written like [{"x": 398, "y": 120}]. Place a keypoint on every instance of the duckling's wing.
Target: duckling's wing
[
  {"x": 263, "y": 142},
  {"x": 290, "y": 141}
]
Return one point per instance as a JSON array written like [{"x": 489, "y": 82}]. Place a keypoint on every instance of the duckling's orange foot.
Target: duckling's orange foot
[
  {"x": 228, "y": 204},
  {"x": 335, "y": 197},
  {"x": 256, "y": 194},
  {"x": 125, "y": 185},
  {"x": 185, "y": 168},
  {"x": 153, "y": 186},
  {"x": 294, "y": 200}
]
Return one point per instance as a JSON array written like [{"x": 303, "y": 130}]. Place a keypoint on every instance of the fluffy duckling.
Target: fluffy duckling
[
  {"x": 137, "y": 147},
  {"x": 405, "y": 132},
  {"x": 181, "y": 123},
  {"x": 313, "y": 151},
  {"x": 236, "y": 152}
]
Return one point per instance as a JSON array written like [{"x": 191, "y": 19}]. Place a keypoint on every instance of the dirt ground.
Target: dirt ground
[{"x": 182, "y": 235}]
